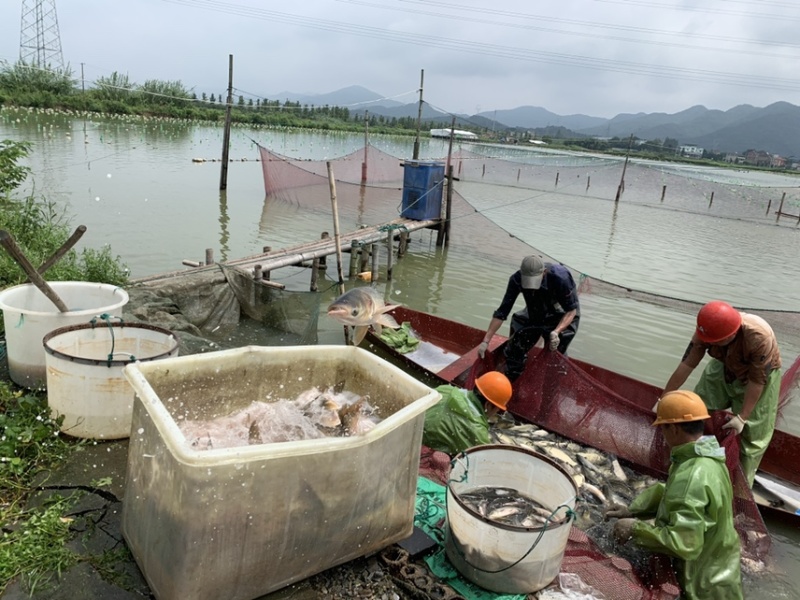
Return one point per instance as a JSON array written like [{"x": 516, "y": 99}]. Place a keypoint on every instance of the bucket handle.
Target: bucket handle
[
  {"x": 570, "y": 516},
  {"x": 107, "y": 318}
]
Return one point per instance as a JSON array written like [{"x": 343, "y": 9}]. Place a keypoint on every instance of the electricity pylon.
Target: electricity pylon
[{"x": 39, "y": 39}]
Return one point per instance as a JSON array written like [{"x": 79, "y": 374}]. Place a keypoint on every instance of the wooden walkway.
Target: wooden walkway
[{"x": 295, "y": 255}]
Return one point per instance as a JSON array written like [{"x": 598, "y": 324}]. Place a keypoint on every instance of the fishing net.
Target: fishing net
[
  {"x": 562, "y": 395},
  {"x": 556, "y": 393}
]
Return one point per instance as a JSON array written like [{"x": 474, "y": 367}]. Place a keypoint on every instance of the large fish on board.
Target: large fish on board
[{"x": 361, "y": 308}]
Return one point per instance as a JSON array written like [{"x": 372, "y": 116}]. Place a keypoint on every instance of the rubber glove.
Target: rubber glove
[
  {"x": 617, "y": 511},
  {"x": 736, "y": 423},
  {"x": 554, "y": 340},
  {"x": 482, "y": 349},
  {"x": 623, "y": 530}
]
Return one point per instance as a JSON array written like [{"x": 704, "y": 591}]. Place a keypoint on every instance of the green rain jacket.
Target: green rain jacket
[
  {"x": 456, "y": 423},
  {"x": 694, "y": 521}
]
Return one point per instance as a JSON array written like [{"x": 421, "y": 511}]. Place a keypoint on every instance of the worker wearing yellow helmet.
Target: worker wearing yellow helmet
[{"x": 693, "y": 510}]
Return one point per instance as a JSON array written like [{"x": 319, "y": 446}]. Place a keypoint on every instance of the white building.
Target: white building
[
  {"x": 458, "y": 134},
  {"x": 693, "y": 151}
]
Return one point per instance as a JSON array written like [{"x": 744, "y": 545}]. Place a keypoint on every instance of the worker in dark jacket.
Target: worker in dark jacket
[
  {"x": 551, "y": 304},
  {"x": 744, "y": 377},
  {"x": 693, "y": 511}
]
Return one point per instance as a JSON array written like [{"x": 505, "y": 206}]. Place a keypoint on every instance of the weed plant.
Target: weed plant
[{"x": 33, "y": 539}]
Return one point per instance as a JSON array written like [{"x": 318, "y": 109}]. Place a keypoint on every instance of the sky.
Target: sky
[{"x": 592, "y": 57}]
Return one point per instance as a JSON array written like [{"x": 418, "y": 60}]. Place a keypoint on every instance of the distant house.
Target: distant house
[
  {"x": 734, "y": 158},
  {"x": 758, "y": 158},
  {"x": 457, "y": 133},
  {"x": 776, "y": 161},
  {"x": 692, "y": 151}
]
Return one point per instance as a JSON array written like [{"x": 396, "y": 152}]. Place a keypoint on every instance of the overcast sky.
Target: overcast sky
[{"x": 594, "y": 57}]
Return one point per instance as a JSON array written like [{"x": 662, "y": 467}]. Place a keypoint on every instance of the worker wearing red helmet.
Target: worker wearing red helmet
[{"x": 744, "y": 376}]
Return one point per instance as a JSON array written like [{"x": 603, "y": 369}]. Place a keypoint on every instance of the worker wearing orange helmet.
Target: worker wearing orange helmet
[
  {"x": 744, "y": 376},
  {"x": 461, "y": 418},
  {"x": 693, "y": 510}
]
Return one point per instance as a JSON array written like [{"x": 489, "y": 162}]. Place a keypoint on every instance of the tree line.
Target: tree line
[{"x": 26, "y": 85}]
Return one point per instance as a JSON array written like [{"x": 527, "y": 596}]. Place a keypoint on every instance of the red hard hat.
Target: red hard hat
[{"x": 716, "y": 321}]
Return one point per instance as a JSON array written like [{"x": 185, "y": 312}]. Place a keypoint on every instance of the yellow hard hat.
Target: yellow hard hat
[
  {"x": 680, "y": 406},
  {"x": 495, "y": 387}
]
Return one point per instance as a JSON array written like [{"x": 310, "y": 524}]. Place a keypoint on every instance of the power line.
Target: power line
[{"x": 510, "y": 52}]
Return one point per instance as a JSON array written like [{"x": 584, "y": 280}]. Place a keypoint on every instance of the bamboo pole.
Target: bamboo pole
[
  {"x": 7, "y": 241},
  {"x": 337, "y": 240},
  {"x": 419, "y": 113},
  {"x": 390, "y": 255},
  {"x": 780, "y": 208}
]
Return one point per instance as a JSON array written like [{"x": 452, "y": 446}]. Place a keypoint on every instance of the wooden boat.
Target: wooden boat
[{"x": 448, "y": 350}]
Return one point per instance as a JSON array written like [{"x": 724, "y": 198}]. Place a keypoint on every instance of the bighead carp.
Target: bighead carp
[{"x": 362, "y": 308}]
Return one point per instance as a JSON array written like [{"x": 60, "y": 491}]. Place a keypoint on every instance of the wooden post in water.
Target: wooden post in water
[
  {"x": 402, "y": 245},
  {"x": 376, "y": 252},
  {"x": 323, "y": 262},
  {"x": 257, "y": 274},
  {"x": 621, "y": 186},
  {"x": 363, "y": 257},
  {"x": 557, "y": 174},
  {"x": 588, "y": 182},
  {"x": 354, "y": 244},
  {"x": 337, "y": 240},
  {"x": 366, "y": 147},
  {"x": 780, "y": 208},
  {"x": 448, "y": 207},
  {"x": 663, "y": 192},
  {"x": 314, "y": 274},
  {"x": 209, "y": 256},
  {"x": 419, "y": 114},
  {"x": 442, "y": 233},
  {"x": 711, "y": 200},
  {"x": 389, "y": 256},
  {"x": 519, "y": 172},
  {"x": 226, "y": 136},
  {"x": 768, "y": 205}
]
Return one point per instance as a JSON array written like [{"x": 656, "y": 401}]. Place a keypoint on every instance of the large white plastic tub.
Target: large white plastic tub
[
  {"x": 85, "y": 384},
  {"x": 29, "y": 315},
  {"x": 503, "y": 558},
  {"x": 238, "y": 523}
]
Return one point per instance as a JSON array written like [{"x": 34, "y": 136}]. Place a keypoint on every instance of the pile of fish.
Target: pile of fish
[
  {"x": 313, "y": 414},
  {"x": 509, "y": 507},
  {"x": 599, "y": 477}
]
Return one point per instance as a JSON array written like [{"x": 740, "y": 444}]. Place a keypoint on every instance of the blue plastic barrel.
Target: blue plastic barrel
[{"x": 422, "y": 190}]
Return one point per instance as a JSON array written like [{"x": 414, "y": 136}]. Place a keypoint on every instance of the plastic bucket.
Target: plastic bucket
[
  {"x": 29, "y": 315},
  {"x": 498, "y": 557},
  {"x": 85, "y": 383}
]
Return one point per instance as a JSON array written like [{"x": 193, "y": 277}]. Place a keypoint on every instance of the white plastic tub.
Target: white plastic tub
[
  {"x": 85, "y": 384},
  {"x": 504, "y": 558},
  {"x": 28, "y": 315},
  {"x": 238, "y": 523}
]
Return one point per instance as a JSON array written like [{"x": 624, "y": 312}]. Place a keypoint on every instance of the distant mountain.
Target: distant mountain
[
  {"x": 531, "y": 117},
  {"x": 774, "y": 129},
  {"x": 345, "y": 97}
]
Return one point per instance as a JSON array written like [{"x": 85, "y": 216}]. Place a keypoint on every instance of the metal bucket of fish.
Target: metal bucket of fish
[{"x": 509, "y": 514}]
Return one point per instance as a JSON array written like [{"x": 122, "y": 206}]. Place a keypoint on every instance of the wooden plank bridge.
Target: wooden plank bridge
[{"x": 260, "y": 265}]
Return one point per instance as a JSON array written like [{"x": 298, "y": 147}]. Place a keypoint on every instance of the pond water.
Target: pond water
[{"x": 135, "y": 186}]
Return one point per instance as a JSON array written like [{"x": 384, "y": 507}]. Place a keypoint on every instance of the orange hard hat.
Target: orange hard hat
[
  {"x": 495, "y": 387},
  {"x": 680, "y": 406},
  {"x": 716, "y": 321}
]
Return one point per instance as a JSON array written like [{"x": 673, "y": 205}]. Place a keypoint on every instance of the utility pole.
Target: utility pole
[
  {"x": 226, "y": 137},
  {"x": 419, "y": 113},
  {"x": 366, "y": 147},
  {"x": 39, "y": 39}
]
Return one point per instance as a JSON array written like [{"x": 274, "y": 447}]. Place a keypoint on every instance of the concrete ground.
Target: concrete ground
[{"x": 97, "y": 530}]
